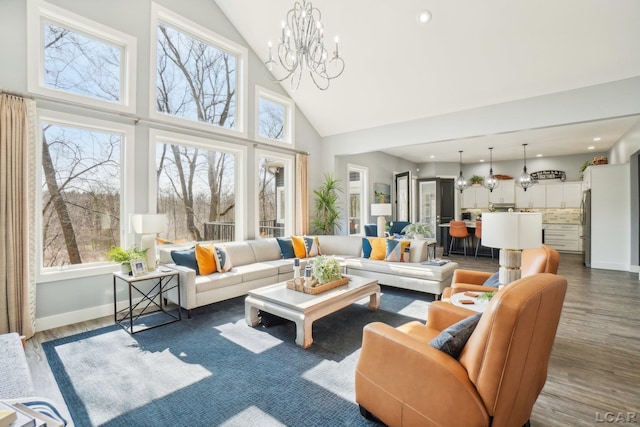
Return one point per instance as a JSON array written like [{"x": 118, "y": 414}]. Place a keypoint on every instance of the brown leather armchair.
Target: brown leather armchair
[
  {"x": 545, "y": 259},
  {"x": 403, "y": 381}
]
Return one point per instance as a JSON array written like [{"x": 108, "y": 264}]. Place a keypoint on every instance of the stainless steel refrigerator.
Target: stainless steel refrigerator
[{"x": 585, "y": 220}]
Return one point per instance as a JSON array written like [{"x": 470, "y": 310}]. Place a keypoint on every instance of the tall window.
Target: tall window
[
  {"x": 198, "y": 74},
  {"x": 274, "y": 117},
  {"x": 196, "y": 186},
  {"x": 358, "y": 200},
  {"x": 81, "y": 190},
  {"x": 274, "y": 194},
  {"x": 80, "y": 60}
]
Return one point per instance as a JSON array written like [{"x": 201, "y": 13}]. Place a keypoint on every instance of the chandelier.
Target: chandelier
[
  {"x": 525, "y": 181},
  {"x": 301, "y": 49},
  {"x": 490, "y": 181},
  {"x": 461, "y": 182}
]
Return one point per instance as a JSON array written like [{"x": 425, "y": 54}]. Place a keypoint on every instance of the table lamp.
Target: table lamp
[
  {"x": 381, "y": 210},
  {"x": 511, "y": 232},
  {"x": 149, "y": 225}
]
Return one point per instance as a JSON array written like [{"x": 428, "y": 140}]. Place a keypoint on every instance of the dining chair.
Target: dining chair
[{"x": 458, "y": 230}]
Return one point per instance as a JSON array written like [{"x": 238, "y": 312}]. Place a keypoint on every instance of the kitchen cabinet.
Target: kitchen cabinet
[
  {"x": 475, "y": 197},
  {"x": 534, "y": 197},
  {"x": 564, "y": 195},
  {"x": 505, "y": 193},
  {"x": 563, "y": 237}
]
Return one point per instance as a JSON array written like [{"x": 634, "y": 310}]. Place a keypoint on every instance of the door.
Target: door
[
  {"x": 436, "y": 203},
  {"x": 403, "y": 196}
]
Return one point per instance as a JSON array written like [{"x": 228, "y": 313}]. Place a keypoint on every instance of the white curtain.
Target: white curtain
[
  {"x": 302, "y": 194},
  {"x": 17, "y": 216}
]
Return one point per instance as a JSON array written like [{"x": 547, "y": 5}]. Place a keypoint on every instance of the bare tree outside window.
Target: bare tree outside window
[
  {"x": 80, "y": 194},
  {"x": 80, "y": 64},
  {"x": 271, "y": 118},
  {"x": 195, "y": 187},
  {"x": 195, "y": 80}
]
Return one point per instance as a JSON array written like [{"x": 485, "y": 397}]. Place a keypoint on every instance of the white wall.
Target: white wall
[{"x": 69, "y": 301}]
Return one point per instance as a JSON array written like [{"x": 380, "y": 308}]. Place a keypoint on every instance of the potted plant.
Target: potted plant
[
  {"x": 327, "y": 209},
  {"x": 326, "y": 269},
  {"x": 476, "y": 180},
  {"x": 124, "y": 257},
  {"x": 418, "y": 230}
]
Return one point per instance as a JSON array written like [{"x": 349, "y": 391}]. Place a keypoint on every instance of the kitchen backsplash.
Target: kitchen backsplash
[{"x": 549, "y": 216}]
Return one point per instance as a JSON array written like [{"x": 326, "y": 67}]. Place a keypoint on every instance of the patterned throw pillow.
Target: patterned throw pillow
[
  {"x": 286, "y": 247},
  {"x": 312, "y": 245},
  {"x": 222, "y": 259},
  {"x": 299, "y": 247},
  {"x": 453, "y": 339},
  {"x": 366, "y": 248},
  {"x": 205, "y": 259},
  {"x": 186, "y": 258},
  {"x": 396, "y": 249}
]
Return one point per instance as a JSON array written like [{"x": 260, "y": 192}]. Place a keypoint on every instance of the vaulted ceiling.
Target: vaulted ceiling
[{"x": 470, "y": 54}]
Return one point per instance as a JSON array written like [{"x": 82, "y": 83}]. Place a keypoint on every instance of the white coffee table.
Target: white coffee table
[{"x": 303, "y": 309}]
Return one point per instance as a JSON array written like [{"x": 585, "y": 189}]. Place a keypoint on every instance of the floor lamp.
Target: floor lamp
[
  {"x": 381, "y": 210},
  {"x": 511, "y": 232},
  {"x": 149, "y": 225}
]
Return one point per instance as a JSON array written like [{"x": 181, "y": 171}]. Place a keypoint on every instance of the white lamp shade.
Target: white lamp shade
[
  {"x": 381, "y": 209},
  {"x": 149, "y": 223},
  {"x": 512, "y": 230}
]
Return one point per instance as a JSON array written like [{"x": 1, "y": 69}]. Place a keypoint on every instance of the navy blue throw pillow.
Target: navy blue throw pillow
[
  {"x": 453, "y": 339},
  {"x": 186, "y": 258},
  {"x": 493, "y": 281},
  {"x": 286, "y": 247}
]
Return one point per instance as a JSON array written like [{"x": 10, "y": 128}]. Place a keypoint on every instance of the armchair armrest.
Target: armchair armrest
[
  {"x": 464, "y": 287},
  {"x": 399, "y": 377},
  {"x": 471, "y": 277}
]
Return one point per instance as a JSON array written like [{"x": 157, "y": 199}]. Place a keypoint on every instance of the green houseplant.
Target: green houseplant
[
  {"x": 476, "y": 179},
  {"x": 124, "y": 256},
  {"x": 327, "y": 210},
  {"x": 418, "y": 230}
]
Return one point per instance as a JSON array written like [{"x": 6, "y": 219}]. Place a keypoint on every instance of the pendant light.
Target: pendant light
[
  {"x": 525, "y": 181},
  {"x": 461, "y": 182},
  {"x": 490, "y": 181}
]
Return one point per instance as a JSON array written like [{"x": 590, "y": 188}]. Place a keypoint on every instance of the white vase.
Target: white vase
[
  {"x": 125, "y": 268},
  {"x": 418, "y": 236}
]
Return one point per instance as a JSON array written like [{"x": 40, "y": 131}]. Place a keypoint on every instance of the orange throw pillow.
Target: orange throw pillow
[
  {"x": 204, "y": 258},
  {"x": 299, "y": 247},
  {"x": 378, "y": 248}
]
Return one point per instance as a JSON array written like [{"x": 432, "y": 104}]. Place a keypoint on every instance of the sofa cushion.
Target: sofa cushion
[
  {"x": 453, "y": 339},
  {"x": 218, "y": 280},
  {"x": 408, "y": 269},
  {"x": 299, "y": 247},
  {"x": 258, "y": 270},
  {"x": 286, "y": 247},
  {"x": 266, "y": 249},
  {"x": 186, "y": 258},
  {"x": 223, "y": 260},
  {"x": 205, "y": 259},
  {"x": 378, "y": 248},
  {"x": 240, "y": 253},
  {"x": 348, "y": 246}
]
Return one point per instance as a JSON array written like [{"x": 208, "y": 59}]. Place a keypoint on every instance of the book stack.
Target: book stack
[
  {"x": 437, "y": 261},
  {"x": 15, "y": 414}
]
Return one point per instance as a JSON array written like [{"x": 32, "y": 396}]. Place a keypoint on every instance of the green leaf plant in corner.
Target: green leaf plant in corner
[{"x": 327, "y": 211}]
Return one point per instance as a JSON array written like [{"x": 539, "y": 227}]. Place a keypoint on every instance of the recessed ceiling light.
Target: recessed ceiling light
[
  {"x": 591, "y": 147},
  {"x": 423, "y": 16},
  {"x": 432, "y": 156},
  {"x": 481, "y": 160},
  {"x": 596, "y": 139},
  {"x": 538, "y": 155}
]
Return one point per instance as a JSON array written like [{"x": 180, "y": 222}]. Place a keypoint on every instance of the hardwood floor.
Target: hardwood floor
[{"x": 594, "y": 370}]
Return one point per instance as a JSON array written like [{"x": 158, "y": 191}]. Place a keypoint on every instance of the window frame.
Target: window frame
[
  {"x": 52, "y": 274},
  {"x": 39, "y": 11},
  {"x": 159, "y": 136},
  {"x": 161, "y": 14},
  {"x": 289, "y": 117},
  {"x": 289, "y": 190}
]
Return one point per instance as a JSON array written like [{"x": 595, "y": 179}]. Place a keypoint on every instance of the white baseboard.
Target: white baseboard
[{"x": 71, "y": 317}]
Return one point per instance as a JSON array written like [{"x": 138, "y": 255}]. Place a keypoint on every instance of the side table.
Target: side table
[
  {"x": 149, "y": 299},
  {"x": 469, "y": 302}
]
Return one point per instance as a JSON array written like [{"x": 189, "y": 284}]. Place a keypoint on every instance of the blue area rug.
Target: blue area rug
[{"x": 214, "y": 370}]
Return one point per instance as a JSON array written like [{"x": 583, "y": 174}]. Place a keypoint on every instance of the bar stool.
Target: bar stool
[
  {"x": 479, "y": 238},
  {"x": 458, "y": 230}
]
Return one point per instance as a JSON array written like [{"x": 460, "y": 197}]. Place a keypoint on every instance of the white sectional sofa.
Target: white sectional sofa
[{"x": 259, "y": 263}]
